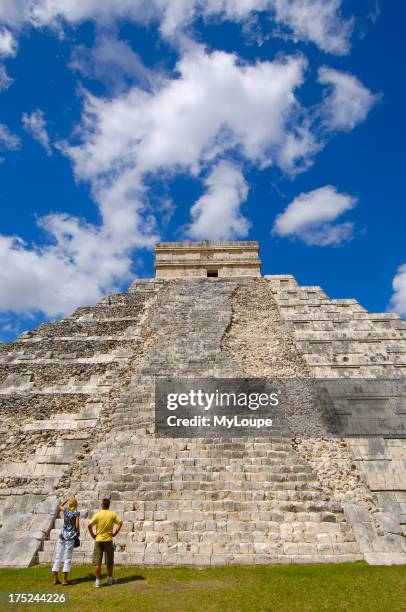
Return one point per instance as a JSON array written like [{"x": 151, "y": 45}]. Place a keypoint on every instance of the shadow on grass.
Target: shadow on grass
[
  {"x": 90, "y": 578},
  {"x": 126, "y": 579}
]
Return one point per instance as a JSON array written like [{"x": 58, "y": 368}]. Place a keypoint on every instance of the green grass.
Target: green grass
[{"x": 302, "y": 588}]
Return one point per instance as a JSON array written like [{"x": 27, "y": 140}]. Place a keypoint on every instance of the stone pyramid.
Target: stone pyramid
[{"x": 77, "y": 406}]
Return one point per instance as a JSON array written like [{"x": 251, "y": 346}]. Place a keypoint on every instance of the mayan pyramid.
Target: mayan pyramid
[{"x": 77, "y": 408}]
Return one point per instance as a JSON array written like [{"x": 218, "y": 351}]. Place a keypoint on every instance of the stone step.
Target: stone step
[
  {"x": 215, "y": 560},
  {"x": 228, "y": 542},
  {"x": 273, "y": 513}
]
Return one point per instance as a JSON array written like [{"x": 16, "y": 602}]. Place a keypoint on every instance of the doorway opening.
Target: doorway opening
[{"x": 212, "y": 273}]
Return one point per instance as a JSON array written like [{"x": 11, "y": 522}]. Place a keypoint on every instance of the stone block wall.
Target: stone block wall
[
  {"x": 58, "y": 386},
  {"x": 197, "y": 259},
  {"x": 340, "y": 339}
]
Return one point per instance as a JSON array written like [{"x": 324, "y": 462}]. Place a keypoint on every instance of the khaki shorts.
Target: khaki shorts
[{"x": 103, "y": 547}]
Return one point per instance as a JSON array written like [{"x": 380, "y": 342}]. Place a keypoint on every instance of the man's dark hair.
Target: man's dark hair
[{"x": 105, "y": 503}]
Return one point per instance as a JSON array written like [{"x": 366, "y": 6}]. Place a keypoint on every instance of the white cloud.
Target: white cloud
[
  {"x": 348, "y": 101},
  {"x": 8, "y": 48},
  {"x": 14, "y": 12},
  {"x": 214, "y": 105},
  {"x": 318, "y": 21},
  {"x": 5, "y": 80},
  {"x": 216, "y": 215},
  {"x": 311, "y": 215},
  {"x": 8, "y": 44},
  {"x": 112, "y": 61},
  {"x": 8, "y": 140},
  {"x": 184, "y": 123},
  {"x": 80, "y": 264},
  {"x": 35, "y": 125},
  {"x": 398, "y": 300},
  {"x": 46, "y": 280}
]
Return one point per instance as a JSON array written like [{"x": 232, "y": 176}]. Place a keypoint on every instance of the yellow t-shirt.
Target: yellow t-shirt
[{"x": 104, "y": 521}]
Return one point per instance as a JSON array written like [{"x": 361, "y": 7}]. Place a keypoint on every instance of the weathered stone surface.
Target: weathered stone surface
[
  {"x": 207, "y": 259},
  {"x": 200, "y": 501}
]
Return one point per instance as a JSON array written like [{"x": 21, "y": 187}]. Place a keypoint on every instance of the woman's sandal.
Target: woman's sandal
[
  {"x": 55, "y": 582},
  {"x": 66, "y": 583}
]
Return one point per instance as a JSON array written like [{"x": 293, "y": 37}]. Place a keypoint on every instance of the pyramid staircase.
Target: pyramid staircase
[
  {"x": 204, "y": 501},
  {"x": 183, "y": 501}
]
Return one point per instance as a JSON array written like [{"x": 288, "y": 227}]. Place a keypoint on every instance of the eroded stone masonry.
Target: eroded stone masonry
[{"x": 77, "y": 417}]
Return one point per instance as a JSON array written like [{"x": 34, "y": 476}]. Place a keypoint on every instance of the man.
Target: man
[{"x": 104, "y": 520}]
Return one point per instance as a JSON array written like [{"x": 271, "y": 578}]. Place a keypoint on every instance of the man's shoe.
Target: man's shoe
[
  {"x": 97, "y": 584},
  {"x": 111, "y": 581}
]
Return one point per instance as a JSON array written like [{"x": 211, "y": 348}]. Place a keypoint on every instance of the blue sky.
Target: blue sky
[{"x": 125, "y": 122}]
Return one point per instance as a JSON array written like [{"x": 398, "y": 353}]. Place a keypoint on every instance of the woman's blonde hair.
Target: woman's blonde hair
[{"x": 72, "y": 504}]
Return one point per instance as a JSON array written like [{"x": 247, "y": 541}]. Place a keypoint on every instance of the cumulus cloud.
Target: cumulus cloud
[
  {"x": 8, "y": 48},
  {"x": 35, "y": 125},
  {"x": 317, "y": 21},
  {"x": 398, "y": 300},
  {"x": 111, "y": 61},
  {"x": 14, "y": 12},
  {"x": 216, "y": 215},
  {"x": 215, "y": 104},
  {"x": 5, "y": 80},
  {"x": 185, "y": 124},
  {"x": 45, "y": 280},
  {"x": 80, "y": 264},
  {"x": 8, "y": 44},
  {"x": 347, "y": 101},
  {"x": 8, "y": 140},
  {"x": 151, "y": 127},
  {"x": 311, "y": 215}
]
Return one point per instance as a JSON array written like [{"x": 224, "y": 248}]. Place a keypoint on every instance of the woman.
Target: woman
[{"x": 64, "y": 548}]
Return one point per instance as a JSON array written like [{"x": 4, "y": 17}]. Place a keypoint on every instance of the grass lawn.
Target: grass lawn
[{"x": 289, "y": 588}]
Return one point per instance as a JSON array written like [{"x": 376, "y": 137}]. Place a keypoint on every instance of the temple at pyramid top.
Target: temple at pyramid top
[{"x": 208, "y": 259}]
